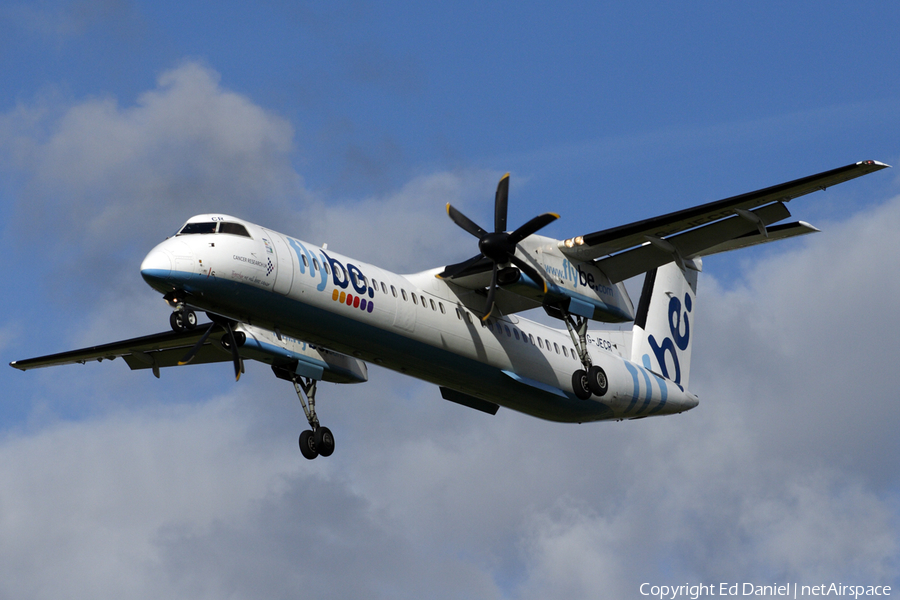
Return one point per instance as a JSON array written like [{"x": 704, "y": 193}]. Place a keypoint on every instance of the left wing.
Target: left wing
[
  {"x": 168, "y": 348},
  {"x": 694, "y": 231}
]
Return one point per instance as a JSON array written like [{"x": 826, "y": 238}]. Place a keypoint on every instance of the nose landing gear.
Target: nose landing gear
[{"x": 182, "y": 317}]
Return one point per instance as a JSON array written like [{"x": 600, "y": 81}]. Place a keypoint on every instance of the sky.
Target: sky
[{"x": 353, "y": 124}]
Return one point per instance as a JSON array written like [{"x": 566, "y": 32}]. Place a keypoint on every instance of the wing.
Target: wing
[
  {"x": 159, "y": 350},
  {"x": 168, "y": 348},
  {"x": 700, "y": 230}
]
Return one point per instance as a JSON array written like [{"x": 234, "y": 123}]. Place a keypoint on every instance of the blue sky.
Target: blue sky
[{"x": 354, "y": 123}]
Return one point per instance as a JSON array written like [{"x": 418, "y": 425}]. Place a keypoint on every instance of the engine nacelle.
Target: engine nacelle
[{"x": 576, "y": 287}]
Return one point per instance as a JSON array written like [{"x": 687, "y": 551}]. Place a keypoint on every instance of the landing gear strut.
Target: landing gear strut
[
  {"x": 591, "y": 380},
  {"x": 317, "y": 440}
]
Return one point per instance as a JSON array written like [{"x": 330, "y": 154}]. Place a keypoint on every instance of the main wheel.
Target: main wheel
[
  {"x": 597, "y": 381},
  {"x": 580, "y": 384},
  {"x": 308, "y": 445},
  {"x": 324, "y": 441}
]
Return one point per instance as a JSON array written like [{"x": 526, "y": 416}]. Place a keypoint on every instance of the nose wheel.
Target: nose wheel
[{"x": 182, "y": 317}]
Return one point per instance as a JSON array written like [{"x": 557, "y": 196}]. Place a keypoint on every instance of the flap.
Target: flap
[{"x": 689, "y": 244}]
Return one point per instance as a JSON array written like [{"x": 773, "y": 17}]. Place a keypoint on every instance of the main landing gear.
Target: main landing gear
[
  {"x": 591, "y": 380},
  {"x": 317, "y": 440}
]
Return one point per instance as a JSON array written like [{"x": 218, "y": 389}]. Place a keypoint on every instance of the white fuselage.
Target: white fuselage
[{"x": 415, "y": 324}]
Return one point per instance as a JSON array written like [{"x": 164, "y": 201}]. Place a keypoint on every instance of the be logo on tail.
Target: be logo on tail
[{"x": 679, "y": 338}]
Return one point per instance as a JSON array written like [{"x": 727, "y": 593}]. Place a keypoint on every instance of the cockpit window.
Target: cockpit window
[
  {"x": 233, "y": 229},
  {"x": 198, "y": 228}
]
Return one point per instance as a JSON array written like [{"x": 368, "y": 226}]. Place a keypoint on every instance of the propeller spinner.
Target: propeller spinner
[{"x": 497, "y": 248}]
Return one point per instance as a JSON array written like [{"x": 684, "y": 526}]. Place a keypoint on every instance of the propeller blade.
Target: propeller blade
[
  {"x": 492, "y": 289},
  {"x": 460, "y": 269},
  {"x": 532, "y": 226},
  {"x": 528, "y": 270},
  {"x": 238, "y": 364},
  {"x": 501, "y": 200},
  {"x": 465, "y": 222},
  {"x": 193, "y": 351}
]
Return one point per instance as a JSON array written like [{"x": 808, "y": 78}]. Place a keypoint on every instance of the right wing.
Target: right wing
[{"x": 168, "y": 348}]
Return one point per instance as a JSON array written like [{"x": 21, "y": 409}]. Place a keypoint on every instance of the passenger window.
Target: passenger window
[
  {"x": 441, "y": 304},
  {"x": 508, "y": 332},
  {"x": 556, "y": 347},
  {"x": 458, "y": 315},
  {"x": 433, "y": 307},
  {"x": 384, "y": 289},
  {"x": 414, "y": 298},
  {"x": 516, "y": 333},
  {"x": 315, "y": 264},
  {"x": 546, "y": 341},
  {"x": 566, "y": 354},
  {"x": 394, "y": 291},
  {"x": 531, "y": 339},
  {"x": 305, "y": 263},
  {"x": 403, "y": 293},
  {"x": 540, "y": 344}
]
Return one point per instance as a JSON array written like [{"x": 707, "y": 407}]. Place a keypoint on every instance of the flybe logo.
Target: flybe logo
[
  {"x": 578, "y": 276},
  {"x": 680, "y": 330},
  {"x": 351, "y": 286}
]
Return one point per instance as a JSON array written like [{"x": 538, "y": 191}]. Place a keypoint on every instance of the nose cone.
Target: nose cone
[{"x": 157, "y": 267}]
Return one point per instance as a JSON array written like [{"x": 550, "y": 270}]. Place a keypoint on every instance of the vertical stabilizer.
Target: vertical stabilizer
[{"x": 662, "y": 336}]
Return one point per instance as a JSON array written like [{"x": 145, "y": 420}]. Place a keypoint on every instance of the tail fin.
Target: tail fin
[{"x": 661, "y": 339}]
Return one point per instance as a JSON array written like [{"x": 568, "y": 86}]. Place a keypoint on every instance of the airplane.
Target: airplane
[{"x": 315, "y": 315}]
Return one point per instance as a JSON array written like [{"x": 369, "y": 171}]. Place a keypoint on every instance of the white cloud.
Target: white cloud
[
  {"x": 102, "y": 176},
  {"x": 408, "y": 230}
]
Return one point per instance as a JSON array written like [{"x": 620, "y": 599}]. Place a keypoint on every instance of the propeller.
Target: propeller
[
  {"x": 231, "y": 343},
  {"x": 498, "y": 247}
]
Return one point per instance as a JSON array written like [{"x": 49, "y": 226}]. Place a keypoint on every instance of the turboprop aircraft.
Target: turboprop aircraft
[{"x": 315, "y": 315}]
